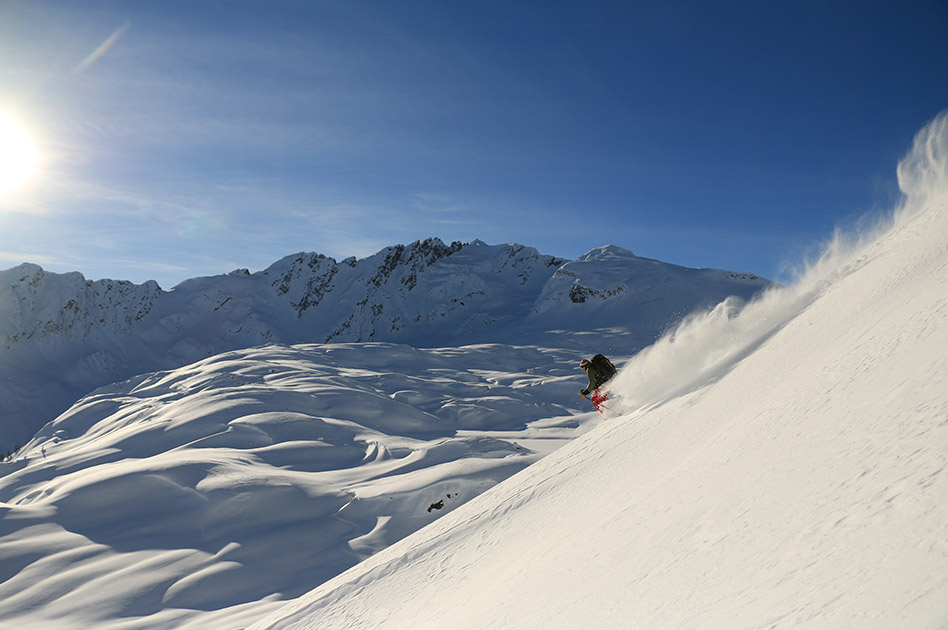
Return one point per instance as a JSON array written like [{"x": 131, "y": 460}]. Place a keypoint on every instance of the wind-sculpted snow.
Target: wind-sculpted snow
[
  {"x": 62, "y": 336},
  {"x": 258, "y": 474}
]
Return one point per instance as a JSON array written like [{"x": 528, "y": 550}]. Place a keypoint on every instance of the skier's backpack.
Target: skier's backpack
[{"x": 603, "y": 366}]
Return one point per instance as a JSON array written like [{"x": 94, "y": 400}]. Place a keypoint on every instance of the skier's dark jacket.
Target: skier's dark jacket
[{"x": 599, "y": 370}]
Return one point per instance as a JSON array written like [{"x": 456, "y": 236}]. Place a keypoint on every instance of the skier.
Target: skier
[{"x": 600, "y": 370}]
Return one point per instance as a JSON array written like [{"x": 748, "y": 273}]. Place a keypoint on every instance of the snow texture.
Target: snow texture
[{"x": 258, "y": 474}]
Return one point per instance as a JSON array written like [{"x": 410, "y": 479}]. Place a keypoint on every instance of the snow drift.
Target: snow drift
[
  {"x": 200, "y": 496},
  {"x": 796, "y": 476}
]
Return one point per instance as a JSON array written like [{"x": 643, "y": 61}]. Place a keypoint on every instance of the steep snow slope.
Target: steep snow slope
[
  {"x": 183, "y": 498},
  {"x": 797, "y": 479},
  {"x": 62, "y": 336}
]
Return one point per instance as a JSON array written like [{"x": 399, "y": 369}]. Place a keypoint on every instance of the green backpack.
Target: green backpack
[{"x": 603, "y": 367}]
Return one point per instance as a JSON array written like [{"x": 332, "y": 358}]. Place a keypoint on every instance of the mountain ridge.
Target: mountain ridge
[{"x": 62, "y": 335}]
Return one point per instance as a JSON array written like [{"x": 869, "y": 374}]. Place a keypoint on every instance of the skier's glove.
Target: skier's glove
[{"x": 582, "y": 394}]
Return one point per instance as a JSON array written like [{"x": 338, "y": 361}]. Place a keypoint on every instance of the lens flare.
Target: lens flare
[{"x": 18, "y": 155}]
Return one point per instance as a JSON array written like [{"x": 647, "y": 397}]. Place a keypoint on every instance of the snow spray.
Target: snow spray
[{"x": 706, "y": 345}]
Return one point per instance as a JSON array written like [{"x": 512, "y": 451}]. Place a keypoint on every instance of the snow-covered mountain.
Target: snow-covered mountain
[{"x": 61, "y": 336}]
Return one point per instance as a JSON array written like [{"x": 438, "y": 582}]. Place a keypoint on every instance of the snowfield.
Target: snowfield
[
  {"x": 259, "y": 474},
  {"x": 777, "y": 464}
]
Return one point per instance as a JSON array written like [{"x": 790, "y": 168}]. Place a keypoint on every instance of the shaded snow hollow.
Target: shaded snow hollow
[{"x": 258, "y": 474}]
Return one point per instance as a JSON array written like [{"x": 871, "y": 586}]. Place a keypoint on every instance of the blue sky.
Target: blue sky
[{"x": 191, "y": 138}]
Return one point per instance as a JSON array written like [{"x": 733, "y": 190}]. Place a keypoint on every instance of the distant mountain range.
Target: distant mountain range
[{"x": 62, "y": 336}]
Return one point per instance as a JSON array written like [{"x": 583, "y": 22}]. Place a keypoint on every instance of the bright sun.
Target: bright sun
[{"x": 18, "y": 156}]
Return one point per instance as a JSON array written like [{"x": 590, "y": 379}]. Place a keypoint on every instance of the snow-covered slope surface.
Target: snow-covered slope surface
[
  {"x": 61, "y": 336},
  {"x": 794, "y": 476},
  {"x": 201, "y": 496}
]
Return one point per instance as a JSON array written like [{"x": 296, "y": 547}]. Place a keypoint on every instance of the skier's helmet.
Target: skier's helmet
[{"x": 584, "y": 364}]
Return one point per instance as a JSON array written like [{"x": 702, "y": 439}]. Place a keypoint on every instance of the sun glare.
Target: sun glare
[{"x": 18, "y": 156}]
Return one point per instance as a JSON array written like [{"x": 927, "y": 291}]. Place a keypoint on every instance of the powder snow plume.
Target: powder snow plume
[
  {"x": 706, "y": 345},
  {"x": 923, "y": 172}
]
